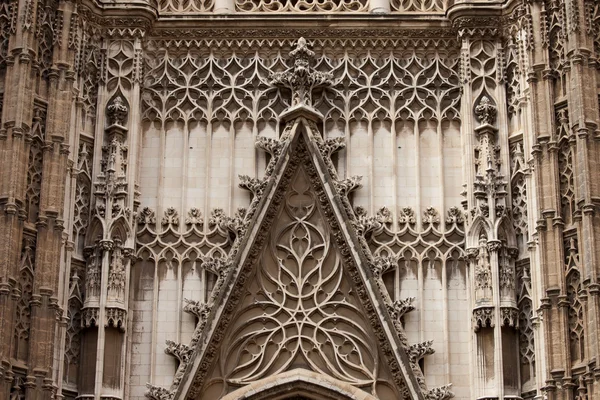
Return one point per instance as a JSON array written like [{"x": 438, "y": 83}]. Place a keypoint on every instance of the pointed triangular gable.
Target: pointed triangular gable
[{"x": 298, "y": 294}]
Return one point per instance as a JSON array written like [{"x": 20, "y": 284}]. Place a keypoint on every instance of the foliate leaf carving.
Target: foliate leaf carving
[
  {"x": 194, "y": 217},
  {"x": 382, "y": 264},
  {"x": 439, "y": 393},
  {"x": 348, "y": 185},
  {"x": 400, "y": 307},
  {"x": 365, "y": 224},
  {"x": 270, "y": 145},
  {"x": 146, "y": 216},
  {"x": 431, "y": 217},
  {"x": 179, "y": 350},
  {"x": 217, "y": 266},
  {"x": 455, "y": 216},
  {"x": 198, "y": 309},
  {"x": 117, "y": 112},
  {"x": 158, "y": 393},
  {"x": 254, "y": 185},
  {"x": 331, "y": 145},
  {"x": 171, "y": 217},
  {"x": 420, "y": 350}
]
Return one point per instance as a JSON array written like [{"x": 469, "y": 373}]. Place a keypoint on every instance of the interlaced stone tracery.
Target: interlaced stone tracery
[{"x": 255, "y": 198}]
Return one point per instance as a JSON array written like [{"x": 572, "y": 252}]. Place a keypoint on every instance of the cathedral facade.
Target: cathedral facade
[{"x": 299, "y": 199}]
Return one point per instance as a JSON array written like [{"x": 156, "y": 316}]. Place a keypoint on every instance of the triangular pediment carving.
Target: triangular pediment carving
[
  {"x": 299, "y": 290},
  {"x": 298, "y": 294}
]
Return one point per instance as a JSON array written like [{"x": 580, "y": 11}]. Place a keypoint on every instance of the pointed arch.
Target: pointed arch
[
  {"x": 478, "y": 226},
  {"x": 299, "y": 382}
]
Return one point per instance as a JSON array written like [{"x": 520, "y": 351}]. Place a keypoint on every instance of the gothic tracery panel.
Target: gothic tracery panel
[{"x": 35, "y": 165}]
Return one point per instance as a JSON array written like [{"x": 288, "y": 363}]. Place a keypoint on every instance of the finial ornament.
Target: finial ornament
[
  {"x": 486, "y": 111},
  {"x": 302, "y": 78}
]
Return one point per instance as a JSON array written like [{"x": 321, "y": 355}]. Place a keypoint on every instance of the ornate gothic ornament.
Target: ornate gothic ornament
[
  {"x": 300, "y": 264},
  {"x": 295, "y": 286},
  {"x": 301, "y": 79}
]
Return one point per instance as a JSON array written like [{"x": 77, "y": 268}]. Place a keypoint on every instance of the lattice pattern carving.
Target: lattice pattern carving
[
  {"x": 34, "y": 169},
  {"x": 302, "y": 6},
  {"x": 48, "y": 25},
  {"x": 72, "y": 338},
  {"x": 519, "y": 194},
  {"x": 428, "y": 6},
  {"x": 483, "y": 68},
  {"x": 196, "y": 242},
  {"x": 407, "y": 244},
  {"x": 557, "y": 21},
  {"x": 565, "y": 166},
  {"x": 513, "y": 84},
  {"x": 526, "y": 333},
  {"x": 83, "y": 188},
  {"x": 8, "y": 19},
  {"x": 23, "y": 312},
  {"x": 576, "y": 319},
  {"x": 184, "y": 6},
  {"x": 200, "y": 85}
]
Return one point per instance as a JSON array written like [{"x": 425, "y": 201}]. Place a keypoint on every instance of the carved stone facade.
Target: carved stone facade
[{"x": 369, "y": 199}]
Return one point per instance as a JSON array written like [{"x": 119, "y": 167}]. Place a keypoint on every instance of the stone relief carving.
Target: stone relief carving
[
  {"x": 235, "y": 227},
  {"x": 302, "y": 6},
  {"x": 34, "y": 167}
]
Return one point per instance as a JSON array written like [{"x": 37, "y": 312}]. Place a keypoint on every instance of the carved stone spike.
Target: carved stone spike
[
  {"x": 407, "y": 216},
  {"x": 158, "y": 393},
  {"x": 420, "y": 350}
]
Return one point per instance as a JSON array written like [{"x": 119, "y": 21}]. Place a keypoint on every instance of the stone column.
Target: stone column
[
  {"x": 379, "y": 6},
  {"x": 224, "y": 7},
  {"x": 17, "y": 113},
  {"x": 490, "y": 238}
]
